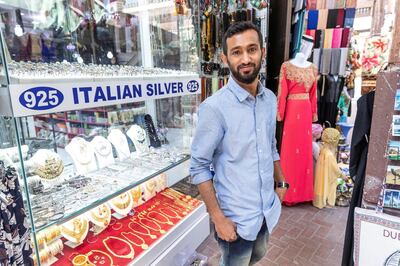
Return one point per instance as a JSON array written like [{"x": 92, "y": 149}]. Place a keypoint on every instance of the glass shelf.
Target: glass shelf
[{"x": 121, "y": 187}]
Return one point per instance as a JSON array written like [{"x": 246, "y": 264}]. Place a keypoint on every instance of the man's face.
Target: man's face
[{"x": 244, "y": 56}]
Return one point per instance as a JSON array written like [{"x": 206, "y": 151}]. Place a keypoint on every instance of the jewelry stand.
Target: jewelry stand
[
  {"x": 103, "y": 151},
  {"x": 120, "y": 142},
  {"x": 98, "y": 224},
  {"x": 121, "y": 212},
  {"x": 70, "y": 243},
  {"x": 139, "y": 138},
  {"x": 42, "y": 159},
  {"x": 82, "y": 154}
]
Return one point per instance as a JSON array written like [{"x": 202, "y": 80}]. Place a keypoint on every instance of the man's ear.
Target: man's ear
[
  {"x": 224, "y": 59},
  {"x": 264, "y": 53}
]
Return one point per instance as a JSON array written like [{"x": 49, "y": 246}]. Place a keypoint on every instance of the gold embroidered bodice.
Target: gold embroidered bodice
[{"x": 305, "y": 76}]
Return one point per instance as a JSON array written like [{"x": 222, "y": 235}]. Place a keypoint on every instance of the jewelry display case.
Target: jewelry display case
[{"x": 98, "y": 109}]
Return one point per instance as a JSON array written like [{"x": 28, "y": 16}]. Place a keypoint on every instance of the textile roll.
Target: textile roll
[
  {"x": 312, "y": 19},
  {"x": 337, "y": 38},
  {"x": 328, "y": 38},
  {"x": 349, "y": 17},
  {"x": 332, "y": 18},
  {"x": 325, "y": 62},
  {"x": 343, "y": 60},
  {"x": 335, "y": 61},
  {"x": 322, "y": 19},
  {"x": 345, "y": 37},
  {"x": 340, "y": 18}
]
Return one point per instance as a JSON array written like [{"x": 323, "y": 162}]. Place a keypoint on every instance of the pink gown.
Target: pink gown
[{"x": 297, "y": 107}]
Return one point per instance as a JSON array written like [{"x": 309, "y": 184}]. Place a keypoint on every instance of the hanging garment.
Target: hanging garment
[
  {"x": 345, "y": 38},
  {"x": 297, "y": 107},
  {"x": 335, "y": 61},
  {"x": 332, "y": 18},
  {"x": 319, "y": 37},
  {"x": 325, "y": 63},
  {"x": 311, "y": 4},
  {"x": 358, "y": 162},
  {"x": 351, "y": 3},
  {"x": 330, "y": 4},
  {"x": 337, "y": 37},
  {"x": 312, "y": 20},
  {"x": 328, "y": 38},
  {"x": 331, "y": 89},
  {"x": 340, "y": 3},
  {"x": 340, "y": 18},
  {"x": 343, "y": 61},
  {"x": 349, "y": 17},
  {"x": 321, "y": 4},
  {"x": 316, "y": 57},
  {"x": 327, "y": 170},
  {"x": 322, "y": 19},
  {"x": 15, "y": 244}
]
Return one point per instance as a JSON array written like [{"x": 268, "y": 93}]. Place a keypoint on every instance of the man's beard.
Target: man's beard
[{"x": 245, "y": 78}]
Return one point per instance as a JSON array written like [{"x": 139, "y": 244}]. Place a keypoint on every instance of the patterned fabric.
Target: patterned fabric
[
  {"x": 15, "y": 244},
  {"x": 376, "y": 53}
]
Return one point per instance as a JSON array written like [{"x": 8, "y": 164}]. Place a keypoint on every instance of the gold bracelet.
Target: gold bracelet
[{"x": 128, "y": 256}]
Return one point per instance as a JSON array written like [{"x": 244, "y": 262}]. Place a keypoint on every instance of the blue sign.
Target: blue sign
[
  {"x": 193, "y": 86},
  {"x": 41, "y": 98}
]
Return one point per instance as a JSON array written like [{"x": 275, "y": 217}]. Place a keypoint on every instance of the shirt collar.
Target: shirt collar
[{"x": 241, "y": 93}]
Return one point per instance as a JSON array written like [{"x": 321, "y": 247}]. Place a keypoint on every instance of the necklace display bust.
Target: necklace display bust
[
  {"x": 103, "y": 151},
  {"x": 139, "y": 138},
  {"x": 120, "y": 142},
  {"x": 82, "y": 154}
]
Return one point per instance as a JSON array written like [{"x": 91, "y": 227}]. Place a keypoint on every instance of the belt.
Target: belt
[{"x": 298, "y": 96}]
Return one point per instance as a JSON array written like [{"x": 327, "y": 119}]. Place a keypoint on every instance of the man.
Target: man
[{"x": 236, "y": 134}]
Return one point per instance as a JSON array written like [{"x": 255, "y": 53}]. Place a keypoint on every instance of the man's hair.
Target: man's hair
[{"x": 237, "y": 28}]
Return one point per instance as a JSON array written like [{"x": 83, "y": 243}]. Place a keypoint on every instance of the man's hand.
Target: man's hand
[
  {"x": 281, "y": 191},
  {"x": 226, "y": 229}
]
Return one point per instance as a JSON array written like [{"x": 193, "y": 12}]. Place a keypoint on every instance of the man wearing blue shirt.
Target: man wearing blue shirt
[{"x": 236, "y": 134}]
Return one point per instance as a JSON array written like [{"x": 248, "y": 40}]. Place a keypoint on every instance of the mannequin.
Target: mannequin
[
  {"x": 327, "y": 170},
  {"x": 297, "y": 109},
  {"x": 118, "y": 139},
  {"x": 103, "y": 150},
  {"x": 82, "y": 154},
  {"x": 139, "y": 138}
]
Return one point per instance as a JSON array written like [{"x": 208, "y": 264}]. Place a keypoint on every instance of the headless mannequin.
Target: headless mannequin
[
  {"x": 139, "y": 138},
  {"x": 300, "y": 60}
]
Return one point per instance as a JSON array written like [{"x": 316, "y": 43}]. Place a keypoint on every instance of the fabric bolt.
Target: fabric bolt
[
  {"x": 332, "y": 18},
  {"x": 321, "y": 4},
  {"x": 350, "y": 14},
  {"x": 343, "y": 60},
  {"x": 328, "y": 38},
  {"x": 322, "y": 18},
  {"x": 311, "y": 4},
  {"x": 351, "y": 3},
  {"x": 325, "y": 61},
  {"x": 297, "y": 113},
  {"x": 340, "y": 18},
  {"x": 330, "y": 4},
  {"x": 312, "y": 20},
  {"x": 311, "y": 33},
  {"x": 236, "y": 134},
  {"x": 337, "y": 37},
  {"x": 316, "y": 57},
  {"x": 335, "y": 61},
  {"x": 345, "y": 38},
  {"x": 340, "y": 3}
]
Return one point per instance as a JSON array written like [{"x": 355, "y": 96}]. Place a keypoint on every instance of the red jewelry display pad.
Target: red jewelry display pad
[{"x": 162, "y": 208}]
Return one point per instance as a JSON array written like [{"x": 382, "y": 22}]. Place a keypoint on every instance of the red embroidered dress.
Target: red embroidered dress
[{"x": 297, "y": 107}]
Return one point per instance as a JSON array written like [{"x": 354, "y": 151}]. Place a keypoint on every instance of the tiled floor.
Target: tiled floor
[{"x": 305, "y": 236}]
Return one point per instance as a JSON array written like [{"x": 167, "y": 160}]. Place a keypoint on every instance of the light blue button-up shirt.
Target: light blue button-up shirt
[{"x": 236, "y": 134}]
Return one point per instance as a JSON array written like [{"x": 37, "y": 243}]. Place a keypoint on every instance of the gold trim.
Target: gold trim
[{"x": 299, "y": 96}]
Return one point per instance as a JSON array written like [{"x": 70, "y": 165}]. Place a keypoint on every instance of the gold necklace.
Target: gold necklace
[
  {"x": 79, "y": 231},
  {"x": 177, "y": 201},
  {"x": 179, "y": 209},
  {"x": 136, "y": 194},
  {"x": 143, "y": 245},
  {"x": 124, "y": 204},
  {"x": 162, "y": 215},
  {"x": 130, "y": 255},
  {"x": 51, "y": 169},
  {"x": 138, "y": 232},
  {"x": 102, "y": 216},
  {"x": 102, "y": 252},
  {"x": 177, "y": 216},
  {"x": 159, "y": 229}
]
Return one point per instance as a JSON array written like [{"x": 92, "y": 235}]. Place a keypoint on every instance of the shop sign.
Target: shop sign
[{"x": 33, "y": 99}]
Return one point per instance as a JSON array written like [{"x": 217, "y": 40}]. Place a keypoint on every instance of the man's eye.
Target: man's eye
[
  {"x": 235, "y": 53},
  {"x": 252, "y": 50}
]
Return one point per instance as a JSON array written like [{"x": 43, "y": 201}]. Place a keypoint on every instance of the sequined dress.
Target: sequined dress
[{"x": 297, "y": 108}]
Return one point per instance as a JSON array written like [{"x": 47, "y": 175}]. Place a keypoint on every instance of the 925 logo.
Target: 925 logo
[
  {"x": 193, "y": 86},
  {"x": 41, "y": 98}
]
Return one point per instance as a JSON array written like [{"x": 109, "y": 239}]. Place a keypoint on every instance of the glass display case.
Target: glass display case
[{"x": 98, "y": 108}]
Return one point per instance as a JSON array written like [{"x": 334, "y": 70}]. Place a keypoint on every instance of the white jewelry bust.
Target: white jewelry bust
[
  {"x": 118, "y": 139},
  {"x": 103, "y": 151},
  {"x": 139, "y": 138},
  {"x": 300, "y": 60},
  {"x": 82, "y": 154}
]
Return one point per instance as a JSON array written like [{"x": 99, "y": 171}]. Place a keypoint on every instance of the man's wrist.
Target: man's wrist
[
  {"x": 216, "y": 216},
  {"x": 282, "y": 184}
]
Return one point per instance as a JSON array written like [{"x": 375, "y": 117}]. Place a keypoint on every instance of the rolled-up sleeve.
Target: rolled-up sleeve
[{"x": 209, "y": 133}]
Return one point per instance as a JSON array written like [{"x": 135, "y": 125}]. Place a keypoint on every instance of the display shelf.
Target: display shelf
[
  {"x": 89, "y": 123},
  {"x": 55, "y": 130},
  {"x": 183, "y": 237},
  {"x": 104, "y": 198}
]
